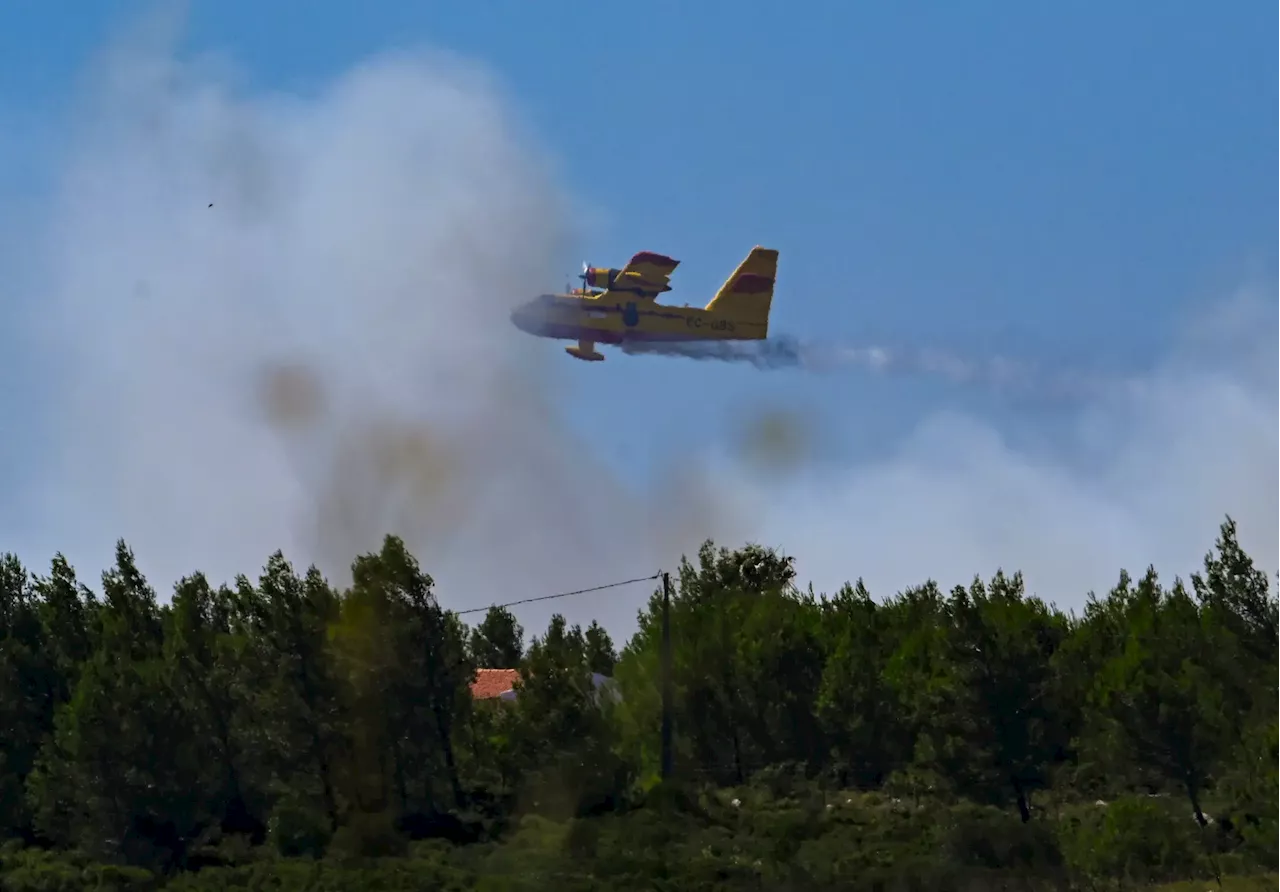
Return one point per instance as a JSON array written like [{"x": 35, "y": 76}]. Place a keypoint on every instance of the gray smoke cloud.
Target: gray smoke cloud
[
  {"x": 282, "y": 322},
  {"x": 1018, "y": 379}
]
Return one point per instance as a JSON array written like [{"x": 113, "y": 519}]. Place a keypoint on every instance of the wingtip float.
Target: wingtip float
[{"x": 619, "y": 307}]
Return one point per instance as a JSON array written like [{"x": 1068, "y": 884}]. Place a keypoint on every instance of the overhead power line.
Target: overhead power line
[{"x": 581, "y": 591}]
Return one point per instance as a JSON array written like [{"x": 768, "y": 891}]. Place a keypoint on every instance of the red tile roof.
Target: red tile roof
[{"x": 492, "y": 683}]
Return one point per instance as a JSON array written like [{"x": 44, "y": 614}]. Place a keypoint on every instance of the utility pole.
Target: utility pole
[{"x": 666, "y": 676}]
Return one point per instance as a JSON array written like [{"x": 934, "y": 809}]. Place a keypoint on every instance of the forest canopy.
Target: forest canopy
[{"x": 227, "y": 732}]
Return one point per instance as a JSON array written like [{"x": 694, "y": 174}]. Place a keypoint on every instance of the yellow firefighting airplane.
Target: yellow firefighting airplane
[{"x": 624, "y": 308}]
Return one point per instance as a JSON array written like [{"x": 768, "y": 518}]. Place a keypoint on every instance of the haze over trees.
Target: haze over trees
[{"x": 223, "y": 737}]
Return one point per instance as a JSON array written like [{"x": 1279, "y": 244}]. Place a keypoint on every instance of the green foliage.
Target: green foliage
[
  {"x": 1001, "y": 714},
  {"x": 498, "y": 642},
  {"x": 296, "y": 831},
  {"x": 284, "y": 734},
  {"x": 1136, "y": 839},
  {"x": 364, "y": 835},
  {"x": 598, "y": 650}
]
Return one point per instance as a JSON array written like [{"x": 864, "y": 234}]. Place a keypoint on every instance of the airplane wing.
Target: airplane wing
[{"x": 645, "y": 276}]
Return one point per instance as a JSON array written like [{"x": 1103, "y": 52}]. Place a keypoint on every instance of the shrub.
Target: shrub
[
  {"x": 1135, "y": 839},
  {"x": 296, "y": 830}
]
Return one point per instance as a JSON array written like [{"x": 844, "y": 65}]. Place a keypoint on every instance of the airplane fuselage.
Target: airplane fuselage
[
  {"x": 573, "y": 317},
  {"x": 626, "y": 309}
]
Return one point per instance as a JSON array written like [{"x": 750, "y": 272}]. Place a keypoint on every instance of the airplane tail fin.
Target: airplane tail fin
[{"x": 747, "y": 294}]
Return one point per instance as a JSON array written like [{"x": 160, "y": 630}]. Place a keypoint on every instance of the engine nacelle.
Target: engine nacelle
[{"x": 599, "y": 276}]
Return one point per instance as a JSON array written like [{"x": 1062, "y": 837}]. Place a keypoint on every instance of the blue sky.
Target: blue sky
[
  {"x": 1047, "y": 176},
  {"x": 1068, "y": 181}
]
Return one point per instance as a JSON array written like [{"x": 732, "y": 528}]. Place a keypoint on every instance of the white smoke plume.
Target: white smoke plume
[
  {"x": 283, "y": 323},
  {"x": 1142, "y": 472}
]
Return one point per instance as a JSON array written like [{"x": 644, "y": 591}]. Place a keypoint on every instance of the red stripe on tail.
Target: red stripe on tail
[{"x": 750, "y": 283}]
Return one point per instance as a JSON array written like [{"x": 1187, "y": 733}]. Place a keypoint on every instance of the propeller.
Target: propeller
[{"x": 586, "y": 268}]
